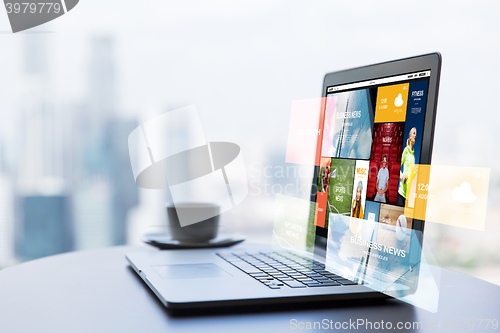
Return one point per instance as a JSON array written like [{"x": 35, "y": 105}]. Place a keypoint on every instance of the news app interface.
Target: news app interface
[{"x": 371, "y": 139}]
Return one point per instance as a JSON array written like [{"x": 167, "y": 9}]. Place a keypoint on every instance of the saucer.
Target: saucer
[{"x": 164, "y": 241}]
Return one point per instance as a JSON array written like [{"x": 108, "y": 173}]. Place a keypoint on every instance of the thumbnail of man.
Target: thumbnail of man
[
  {"x": 385, "y": 162},
  {"x": 382, "y": 181}
]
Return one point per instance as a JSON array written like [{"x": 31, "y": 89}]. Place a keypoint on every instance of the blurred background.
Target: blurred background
[{"x": 73, "y": 89}]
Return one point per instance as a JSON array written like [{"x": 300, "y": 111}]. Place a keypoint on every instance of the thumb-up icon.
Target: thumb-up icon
[
  {"x": 26, "y": 14},
  {"x": 399, "y": 100}
]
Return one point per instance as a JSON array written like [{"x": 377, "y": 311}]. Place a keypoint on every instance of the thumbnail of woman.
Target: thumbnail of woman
[
  {"x": 357, "y": 209},
  {"x": 407, "y": 160},
  {"x": 324, "y": 178}
]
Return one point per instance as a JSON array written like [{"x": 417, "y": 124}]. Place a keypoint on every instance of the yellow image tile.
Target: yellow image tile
[
  {"x": 455, "y": 196},
  {"x": 391, "y": 103},
  {"x": 417, "y": 189}
]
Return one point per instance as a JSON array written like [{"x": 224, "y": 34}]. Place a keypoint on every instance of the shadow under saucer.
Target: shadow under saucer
[{"x": 165, "y": 242}]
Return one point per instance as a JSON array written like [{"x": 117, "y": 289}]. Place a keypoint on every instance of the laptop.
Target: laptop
[{"x": 380, "y": 118}]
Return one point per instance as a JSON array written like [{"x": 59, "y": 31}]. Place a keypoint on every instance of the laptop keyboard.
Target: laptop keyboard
[{"x": 278, "y": 270}]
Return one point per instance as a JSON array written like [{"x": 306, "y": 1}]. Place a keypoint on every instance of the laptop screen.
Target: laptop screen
[{"x": 371, "y": 138}]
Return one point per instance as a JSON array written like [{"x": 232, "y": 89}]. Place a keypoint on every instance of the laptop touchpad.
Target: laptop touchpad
[{"x": 190, "y": 271}]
